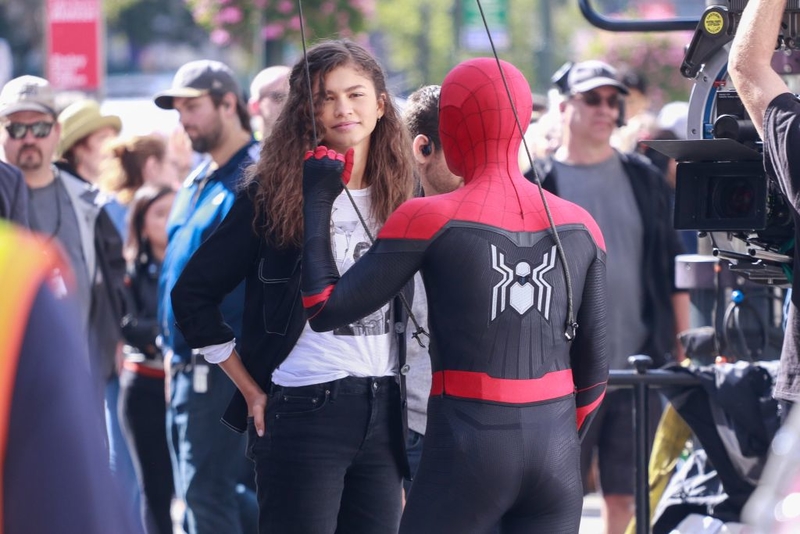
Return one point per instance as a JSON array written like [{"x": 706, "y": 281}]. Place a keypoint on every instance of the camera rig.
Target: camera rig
[
  {"x": 718, "y": 26},
  {"x": 721, "y": 188}
]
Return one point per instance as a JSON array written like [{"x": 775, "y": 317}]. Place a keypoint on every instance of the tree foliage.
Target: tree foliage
[
  {"x": 421, "y": 38},
  {"x": 246, "y": 22},
  {"x": 112, "y": 9}
]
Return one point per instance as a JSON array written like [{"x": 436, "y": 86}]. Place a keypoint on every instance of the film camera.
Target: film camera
[{"x": 721, "y": 187}]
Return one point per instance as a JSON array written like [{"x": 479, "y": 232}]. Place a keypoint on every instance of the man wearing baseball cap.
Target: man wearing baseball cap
[
  {"x": 65, "y": 208},
  {"x": 629, "y": 199},
  {"x": 208, "y": 459}
]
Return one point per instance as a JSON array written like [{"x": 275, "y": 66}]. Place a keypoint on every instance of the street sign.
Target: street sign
[
  {"x": 473, "y": 32},
  {"x": 74, "y": 44}
]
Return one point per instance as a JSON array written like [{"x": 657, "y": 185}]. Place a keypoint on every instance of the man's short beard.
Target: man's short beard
[
  {"x": 33, "y": 166},
  {"x": 205, "y": 143}
]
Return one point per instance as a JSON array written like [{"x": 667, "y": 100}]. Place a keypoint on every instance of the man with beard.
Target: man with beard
[
  {"x": 64, "y": 208},
  {"x": 629, "y": 199},
  {"x": 208, "y": 461}
]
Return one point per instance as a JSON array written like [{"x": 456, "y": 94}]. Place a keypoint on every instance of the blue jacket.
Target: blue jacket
[{"x": 206, "y": 197}]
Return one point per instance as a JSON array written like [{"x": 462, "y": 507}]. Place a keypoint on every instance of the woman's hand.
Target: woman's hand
[
  {"x": 253, "y": 395},
  {"x": 256, "y": 407},
  {"x": 326, "y": 171}
]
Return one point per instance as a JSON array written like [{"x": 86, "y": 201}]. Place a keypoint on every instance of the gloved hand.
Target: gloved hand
[{"x": 325, "y": 173}]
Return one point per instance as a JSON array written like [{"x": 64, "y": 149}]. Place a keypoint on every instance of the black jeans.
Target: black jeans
[
  {"x": 414, "y": 444},
  {"x": 330, "y": 459},
  {"x": 142, "y": 415}
]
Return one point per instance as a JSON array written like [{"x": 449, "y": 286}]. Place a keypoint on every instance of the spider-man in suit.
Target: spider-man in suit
[{"x": 511, "y": 393}]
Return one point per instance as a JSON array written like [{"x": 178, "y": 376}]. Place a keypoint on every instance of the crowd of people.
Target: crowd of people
[{"x": 350, "y": 316}]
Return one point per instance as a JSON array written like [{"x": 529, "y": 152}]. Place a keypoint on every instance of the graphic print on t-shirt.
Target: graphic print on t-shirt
[{"x": 349, "y": 242}]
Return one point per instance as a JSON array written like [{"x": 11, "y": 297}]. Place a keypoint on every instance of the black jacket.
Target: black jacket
[
  {"x": 661, "y": 245},
  {"x": 107, "y": 277},
  {"x": 273, "y": 316},
  {"x": 140, "y": 325},
  {"x": 13, "y": 195}
]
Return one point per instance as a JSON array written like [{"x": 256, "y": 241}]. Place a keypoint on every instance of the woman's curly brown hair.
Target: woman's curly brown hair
[{"x": 279, "y": 170}]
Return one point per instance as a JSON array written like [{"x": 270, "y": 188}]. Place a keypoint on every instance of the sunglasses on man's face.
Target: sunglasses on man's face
[
  {"x": 39, "y": 129},
  {"x": 594, "y": 99}
]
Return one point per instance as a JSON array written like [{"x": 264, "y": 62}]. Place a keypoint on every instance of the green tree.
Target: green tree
[
  {"x": 422, "y": 41},
  {"x": 144, "y": 22},
  {"x": 249, "y": 23}
]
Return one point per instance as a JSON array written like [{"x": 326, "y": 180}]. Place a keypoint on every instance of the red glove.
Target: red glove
[{"x": 323, "y": 164}]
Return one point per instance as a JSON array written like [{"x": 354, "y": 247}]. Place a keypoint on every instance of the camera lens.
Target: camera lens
[
  {"x": 733, "y": 198},
  {"x": 732, "y": 127}
]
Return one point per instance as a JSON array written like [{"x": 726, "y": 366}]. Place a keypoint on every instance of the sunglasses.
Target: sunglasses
[
  {"x": 593, "y": 100},
  {"x": 39, "y": 129}
]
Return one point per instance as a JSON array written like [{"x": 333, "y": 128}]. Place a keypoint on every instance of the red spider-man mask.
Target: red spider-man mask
[{"x": 476, "y": 120}]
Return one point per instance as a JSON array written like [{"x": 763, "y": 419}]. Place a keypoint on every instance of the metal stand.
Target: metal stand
[
  {"x": 641, "y": 380},
  {"x": 640, "y": 412}
]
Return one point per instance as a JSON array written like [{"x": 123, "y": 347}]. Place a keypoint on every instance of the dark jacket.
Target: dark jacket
[
  {"x": 140, "y": 324},
  {"x": 273, "y": 315},
  {"x": 13, "y": 195},
  {"x": 102, "y": 249},
  {"x": 661, "y": 245}
]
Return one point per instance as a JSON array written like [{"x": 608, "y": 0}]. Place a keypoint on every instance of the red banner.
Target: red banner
[{"x": 74, "y": 45}]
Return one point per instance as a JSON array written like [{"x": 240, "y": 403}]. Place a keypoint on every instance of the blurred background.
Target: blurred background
[{"x": 129, "y": 49}]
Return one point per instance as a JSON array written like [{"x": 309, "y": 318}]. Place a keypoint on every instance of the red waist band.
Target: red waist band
[
  {"x": 144, "y": 370},
  {"x": 471, "y": 385}
]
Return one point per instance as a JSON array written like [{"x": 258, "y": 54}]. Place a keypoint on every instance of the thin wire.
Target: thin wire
[
  {"x": 419, "y": 331},
  {"x": 571, "y": 325},
  {"x": 308, "y": 72}
]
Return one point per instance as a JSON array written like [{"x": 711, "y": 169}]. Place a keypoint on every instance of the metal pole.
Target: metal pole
[
  {"x": 640, "y": 424},
  {"x": 545, "y": 66},
  {"x": 616, "y": 25}
]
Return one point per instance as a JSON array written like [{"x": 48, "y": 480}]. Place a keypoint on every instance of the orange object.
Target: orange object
[{"x": 25, "y": 263}]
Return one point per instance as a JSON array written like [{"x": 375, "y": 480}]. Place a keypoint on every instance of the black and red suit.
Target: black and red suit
[{"x": 509, "y": 390}]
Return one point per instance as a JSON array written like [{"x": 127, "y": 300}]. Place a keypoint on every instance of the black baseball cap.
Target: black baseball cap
[
  {"x": 198, "y": 78},
  {"x": 588, "y": 75}
]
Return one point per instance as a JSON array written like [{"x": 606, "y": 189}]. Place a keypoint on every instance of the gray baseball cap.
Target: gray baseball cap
[
  {"x": 27, "y": 93},
  {"x": 198, "y": 78},
  {"x": 588, "y": 75}
]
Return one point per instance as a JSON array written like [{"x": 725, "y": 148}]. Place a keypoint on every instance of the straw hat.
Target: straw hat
[{"x": 80, "y": 119}]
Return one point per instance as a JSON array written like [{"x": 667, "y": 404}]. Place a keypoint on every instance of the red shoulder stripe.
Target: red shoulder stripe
[{"x": 312, "y": 300}]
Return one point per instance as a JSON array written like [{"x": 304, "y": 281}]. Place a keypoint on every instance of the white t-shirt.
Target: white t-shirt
[{"x": 364, "y": 348}]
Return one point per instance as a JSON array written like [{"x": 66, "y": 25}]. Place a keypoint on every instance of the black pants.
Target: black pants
[
  {"x": 611, "y": 438},
  {"x": 486, "y": 466},
  {"x": 142, "y": 416},
  {"x": 330, "y": 459}
]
